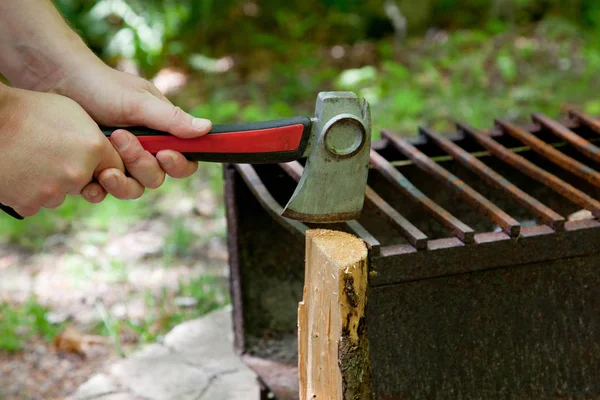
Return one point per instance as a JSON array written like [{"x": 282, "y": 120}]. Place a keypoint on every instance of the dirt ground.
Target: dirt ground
[{"x": 83, "y": 280}]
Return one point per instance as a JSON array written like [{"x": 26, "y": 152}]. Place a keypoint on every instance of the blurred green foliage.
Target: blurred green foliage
[
  {"x": 18, "y": 323},
  {"x": 209, "y": 292},
  {"x": 470, "y": 59},
  {"x": 156, "y": 31}
]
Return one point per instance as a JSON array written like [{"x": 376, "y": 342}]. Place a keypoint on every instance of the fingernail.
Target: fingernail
[
  {"x": 109, "y": 182},
  {"x": 93, "y": 192},
  {"x": 201, "y": 123},
  {"x": 121, "y": 141}
]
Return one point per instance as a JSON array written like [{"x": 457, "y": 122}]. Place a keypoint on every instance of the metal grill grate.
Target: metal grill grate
[{"x": 547, "y": 140}]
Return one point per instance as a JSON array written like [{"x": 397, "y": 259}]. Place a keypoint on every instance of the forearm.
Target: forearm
[{"x": 36, "y": 44}]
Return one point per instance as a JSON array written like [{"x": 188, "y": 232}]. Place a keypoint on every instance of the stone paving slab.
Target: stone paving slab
[{"x": 196, "y": 361}]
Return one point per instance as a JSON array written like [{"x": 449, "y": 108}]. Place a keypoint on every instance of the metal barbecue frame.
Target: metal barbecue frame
[{"x": 561, "y": 158}]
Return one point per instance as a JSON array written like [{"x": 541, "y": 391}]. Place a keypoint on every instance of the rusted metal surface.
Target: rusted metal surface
[
  {"x": 550, "y": 153},
  {"x": 398, "y": 264},
  {"x": 235, "y": 275},
  {"x": 266, "y": 199},
  {"x": 535, "y": 172},
  {"x": 281, "y": 379},
  {"x": 510, "y": 225},
  {"x": 585, "y": 119},
  {"x": 585, "y": 147},
  {"x": 548, "y": 216},
  {"x": 517, "y": 295},
  {"x": 412, "y": 234},
  {"x": 460, "y": 229},
  {"x": 521, "y": 332}
]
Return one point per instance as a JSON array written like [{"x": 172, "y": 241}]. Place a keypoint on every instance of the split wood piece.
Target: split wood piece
[
  {"x": 546, "y": 215},
  {"x": 508, "y": 224},
  {"x": 295, "y": 170},
  {"x": 533, "y": 171},
  {"x": 586, "y": 120},
  {"x": 583, "y": 146},
  {"x": 396, "y": 178},
  {"x": 265, "y": 198},
  {"x": 333, "y": 348},
  {"x": 550, "y": 153},
  {"x": 411, "y": 233}
]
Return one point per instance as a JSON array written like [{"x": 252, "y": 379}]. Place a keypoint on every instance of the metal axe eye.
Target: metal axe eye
[{"x": 345, "y": 135}]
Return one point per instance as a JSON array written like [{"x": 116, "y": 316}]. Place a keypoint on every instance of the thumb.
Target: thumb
[{"x": 158, "y": 114}]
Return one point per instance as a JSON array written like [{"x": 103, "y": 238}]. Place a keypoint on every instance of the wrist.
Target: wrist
[
  {"x": 9, "y": 107},
  {"x": 43, "y": 69},
  {"x": 37, "y": 44}
]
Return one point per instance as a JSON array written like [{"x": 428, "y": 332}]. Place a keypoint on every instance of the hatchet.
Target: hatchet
[{"x": 336, "y": 143}]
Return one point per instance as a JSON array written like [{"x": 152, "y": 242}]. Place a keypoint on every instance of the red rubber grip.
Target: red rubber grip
[{"x": 271, "y": 140}]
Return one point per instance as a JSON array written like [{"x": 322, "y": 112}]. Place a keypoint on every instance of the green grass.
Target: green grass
[
  {"x": 209, "y": 292},
  {"x": 20, "y": 322}
]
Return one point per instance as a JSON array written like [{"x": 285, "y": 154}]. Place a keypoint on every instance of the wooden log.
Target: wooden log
[{"x": 333, "y": 350}]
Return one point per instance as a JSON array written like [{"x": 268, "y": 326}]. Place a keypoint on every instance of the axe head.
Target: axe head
[{"x": 332, "y": 186}]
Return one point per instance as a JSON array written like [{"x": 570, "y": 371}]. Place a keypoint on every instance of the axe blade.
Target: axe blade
[{"x": 332, "y": 186}]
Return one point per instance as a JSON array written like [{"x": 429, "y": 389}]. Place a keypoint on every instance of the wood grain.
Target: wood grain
[{"x": 333, "y": 351}]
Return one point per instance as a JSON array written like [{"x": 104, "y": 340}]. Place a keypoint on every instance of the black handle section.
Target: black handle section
[{"x": 10, "y": 211}]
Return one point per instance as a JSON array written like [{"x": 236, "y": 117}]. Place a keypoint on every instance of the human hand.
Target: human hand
[
  {"x": 50, "y": 148},
  {"x": 114, "y": 98}
]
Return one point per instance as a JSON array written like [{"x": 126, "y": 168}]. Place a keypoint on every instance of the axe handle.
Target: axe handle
[{"x": 262, "y": 142}]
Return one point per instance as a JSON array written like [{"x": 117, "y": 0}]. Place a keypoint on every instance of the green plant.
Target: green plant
[
  {"x": 178, "y": 241},
  {"x": 209, "y": 293},
  {"x": 20, "y": 322}
]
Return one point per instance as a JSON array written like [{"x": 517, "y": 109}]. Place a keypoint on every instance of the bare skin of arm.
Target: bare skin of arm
[{"x": 39, "y": 52}]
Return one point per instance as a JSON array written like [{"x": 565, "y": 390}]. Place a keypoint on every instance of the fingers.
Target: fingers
[
  {"x": 55, "y": 202},
  {"x": 156, "y": 113},
  {"x": 175, "y": 164},
  {"x": 94, "y": 193},
  {"x": 109, "y": 157},
  {"x": 140, "y": 164},
  {"x": 120, "y": 186},
  {"x": 26, "y": 211}
]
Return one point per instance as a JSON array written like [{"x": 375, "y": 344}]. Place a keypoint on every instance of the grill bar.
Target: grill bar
[
  {"x": 547, "y": 215},
  {"x": 585, "y": 119},
  {"x": 457, "y": 227},
  {"x": 294, "y": 169},
  {"x": 532, "y": 170},
  {"x": 508, "y": 224},
  {"x": 265, "y": 198},
  {"x": 410, "y": 232},
  {"x": 357, "y": 229},
  {"x": 585, "y": 147},
  {"x": 550, "y": 153}
]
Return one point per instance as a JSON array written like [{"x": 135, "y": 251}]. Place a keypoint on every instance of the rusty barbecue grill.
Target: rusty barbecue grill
[{"x": 485, "y": 251}]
